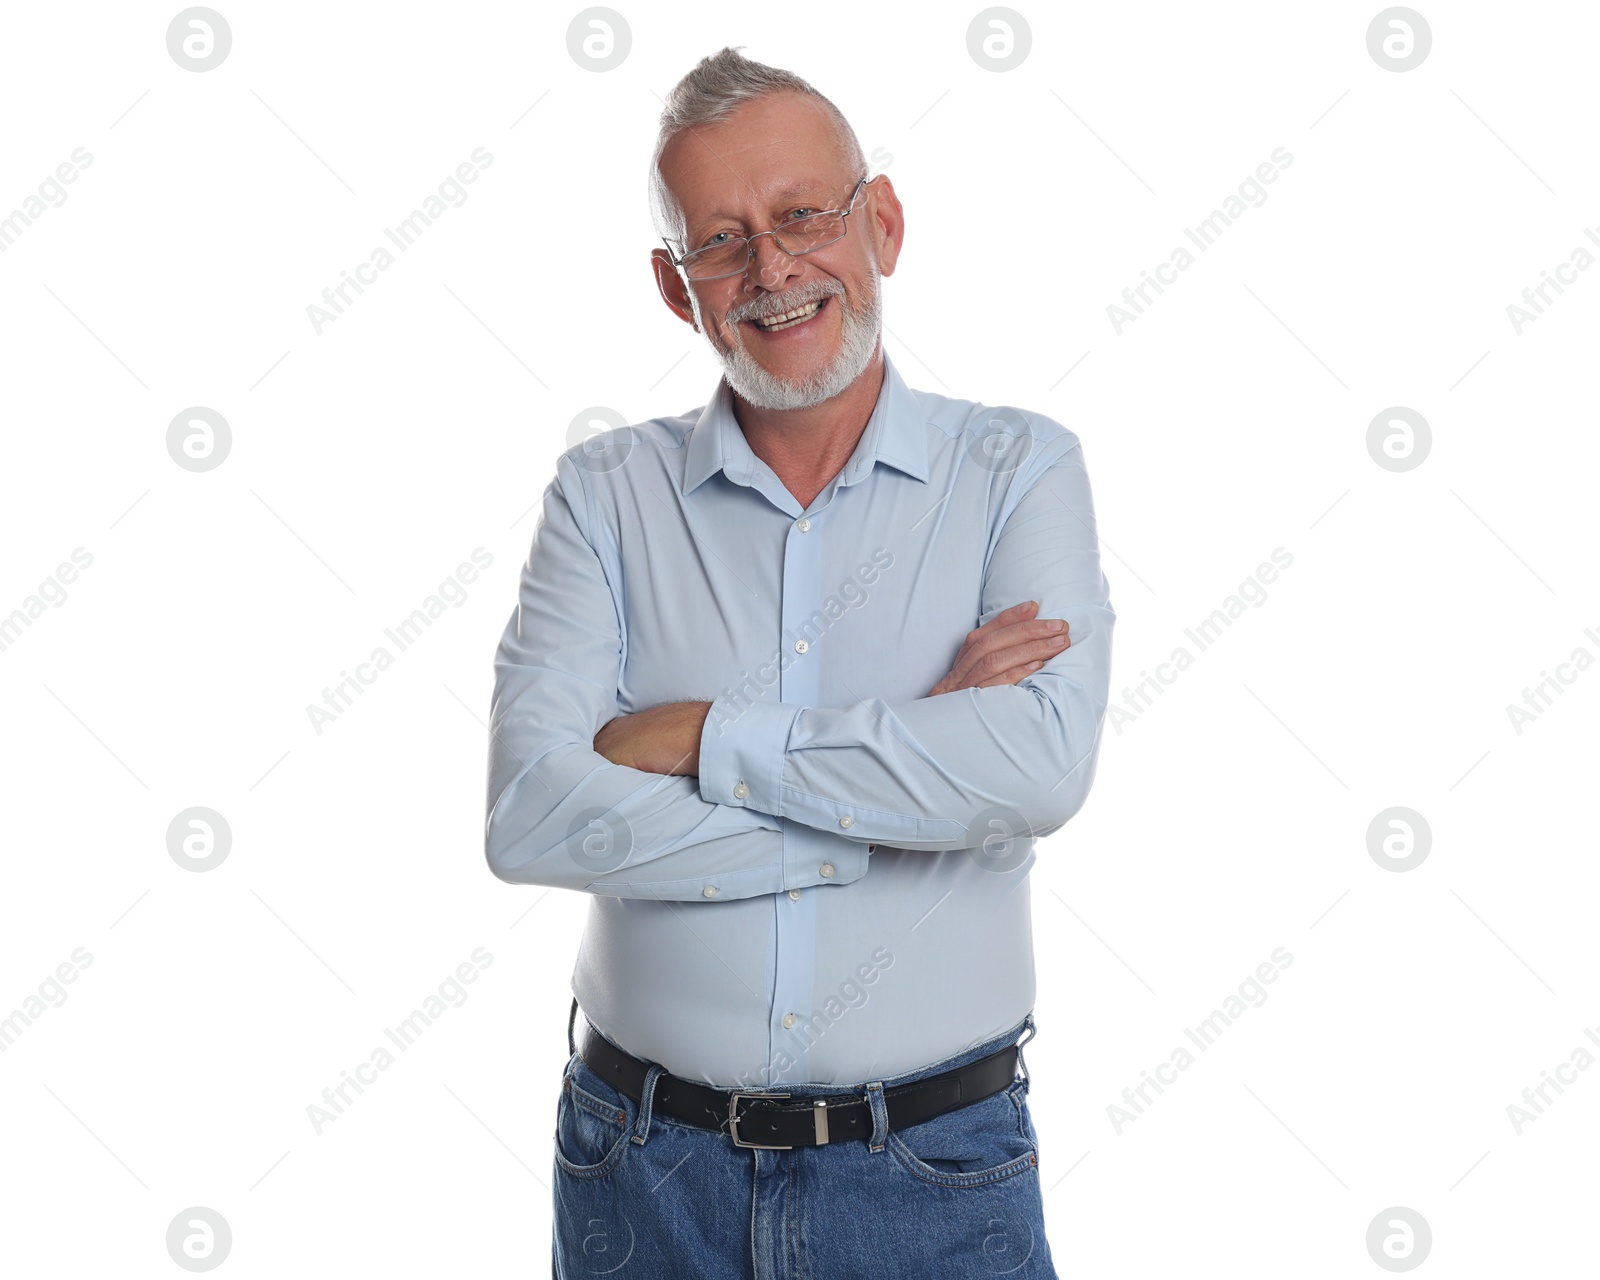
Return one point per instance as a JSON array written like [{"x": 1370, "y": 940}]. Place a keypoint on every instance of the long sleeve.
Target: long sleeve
[
  {"x": 561, "y": 814},
  {"x": 947, "y": 772}
]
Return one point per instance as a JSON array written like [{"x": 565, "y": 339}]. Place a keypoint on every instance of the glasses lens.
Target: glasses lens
[
  {"x": 800, "y": 236},
  {"x": 718, "y": 260},
  {"x": 805, "y": 234}
]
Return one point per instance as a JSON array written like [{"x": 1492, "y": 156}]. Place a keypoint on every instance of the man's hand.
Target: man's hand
[
  {"x": 664, "y": 739},
  {"x": 1010, "y": 646}
]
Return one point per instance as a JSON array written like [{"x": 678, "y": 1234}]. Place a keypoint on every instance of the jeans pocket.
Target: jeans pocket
[
  {"x": 973, "y": 1146},
  {"x": 593, "y": 1123}
]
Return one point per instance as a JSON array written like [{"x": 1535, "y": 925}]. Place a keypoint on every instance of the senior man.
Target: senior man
[{"x": 794, "y": 682}]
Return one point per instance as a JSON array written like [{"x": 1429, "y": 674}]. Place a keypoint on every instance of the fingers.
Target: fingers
[
  {"x": 994, "y": 670},
  {"x": 1004, "y": 650},
  {"x": 1014, "y": 676},
  {"x": 998, "y": 646},
  {"x": 1016, "y": 613}
]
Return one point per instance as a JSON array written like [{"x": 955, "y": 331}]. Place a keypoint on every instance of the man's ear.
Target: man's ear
[
  {"x": 888, "y": 222},
  {"x": 671, "y": 286}
]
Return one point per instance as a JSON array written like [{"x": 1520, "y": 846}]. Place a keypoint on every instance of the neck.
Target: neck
[{"x": 806, "y": 448}]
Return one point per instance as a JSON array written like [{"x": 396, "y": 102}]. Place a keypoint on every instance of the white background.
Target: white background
[{"x": 367, "y": 462}]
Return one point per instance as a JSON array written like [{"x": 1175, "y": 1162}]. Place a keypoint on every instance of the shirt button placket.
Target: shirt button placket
[{"x": 802, "y": 592}]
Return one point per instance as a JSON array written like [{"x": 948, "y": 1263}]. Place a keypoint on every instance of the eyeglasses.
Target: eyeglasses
[{"x": 795, "y": 237}]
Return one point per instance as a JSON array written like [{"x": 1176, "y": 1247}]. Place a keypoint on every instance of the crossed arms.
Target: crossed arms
[{"x": 661, "y": 803}]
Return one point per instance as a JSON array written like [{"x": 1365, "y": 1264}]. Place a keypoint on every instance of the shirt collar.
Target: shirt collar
[{"x": 896, "y": 434}]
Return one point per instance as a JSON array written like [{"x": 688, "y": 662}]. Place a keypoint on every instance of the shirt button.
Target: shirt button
[
  {"x": 800, "y": 646},
  {"x": 795, "y": 894},
  {"x": 710, "y": 891},
  {"x": 803, "y": 524},
  {"x": 788, "y": 1019},
  {"x": 741, "y": 791},
  {"x": 847, "y": 821},
  {"x": 826, "y": 868}
]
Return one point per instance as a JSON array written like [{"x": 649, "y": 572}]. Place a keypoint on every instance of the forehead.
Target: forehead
[
  {"x": 770, "y": 151},
  {"x": 732, "y": 204}
]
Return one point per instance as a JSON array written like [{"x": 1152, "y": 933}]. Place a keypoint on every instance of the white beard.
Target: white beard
[{"x": 859, "y": 341}]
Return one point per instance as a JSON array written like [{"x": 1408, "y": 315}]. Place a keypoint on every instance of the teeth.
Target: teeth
[{"x": 799, "y": 313}]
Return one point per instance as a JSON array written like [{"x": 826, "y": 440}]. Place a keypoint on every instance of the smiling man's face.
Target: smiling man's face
[{"x": 777, "y": 158}]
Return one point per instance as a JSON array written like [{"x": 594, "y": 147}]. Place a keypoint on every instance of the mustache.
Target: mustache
[{"x": 765, "y": 308}]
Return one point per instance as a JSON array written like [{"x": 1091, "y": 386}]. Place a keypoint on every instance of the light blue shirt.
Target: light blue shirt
[{"x": 842, "y": 893}]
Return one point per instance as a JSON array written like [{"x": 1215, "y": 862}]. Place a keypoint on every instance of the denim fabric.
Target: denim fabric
[{"x": 643, "y": 1197}]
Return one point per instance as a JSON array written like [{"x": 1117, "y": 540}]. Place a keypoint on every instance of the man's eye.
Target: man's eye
[{"x": 800, "y": 211}]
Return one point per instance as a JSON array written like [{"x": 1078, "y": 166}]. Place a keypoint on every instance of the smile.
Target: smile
[{"x": 789, "y": 319}]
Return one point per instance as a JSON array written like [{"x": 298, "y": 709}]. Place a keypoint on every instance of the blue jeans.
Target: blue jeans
[{"x": 641, "y": 1196}]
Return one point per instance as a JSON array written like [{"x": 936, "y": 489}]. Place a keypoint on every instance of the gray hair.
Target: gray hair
[{"x": 718, "y": 85}]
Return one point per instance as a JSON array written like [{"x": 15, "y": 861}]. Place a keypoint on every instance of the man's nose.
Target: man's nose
[{"x": 772, "y": 266}]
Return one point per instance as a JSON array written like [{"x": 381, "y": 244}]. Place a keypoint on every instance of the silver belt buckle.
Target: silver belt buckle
[{"x": 733, "y": 1122}]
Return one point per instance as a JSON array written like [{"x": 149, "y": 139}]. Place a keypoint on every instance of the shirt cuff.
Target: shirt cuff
[{"x": 742, "y": 746}]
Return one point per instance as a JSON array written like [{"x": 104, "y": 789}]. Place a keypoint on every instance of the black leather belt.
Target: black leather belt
[{"x": 752, "y": 1119}]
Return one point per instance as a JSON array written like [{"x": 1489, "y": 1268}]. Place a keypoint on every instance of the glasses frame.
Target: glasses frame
[{"x": 749, "y": 241}]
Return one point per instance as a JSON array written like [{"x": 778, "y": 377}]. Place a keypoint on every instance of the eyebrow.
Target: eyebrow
[{"x": 811, "y": 188}]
